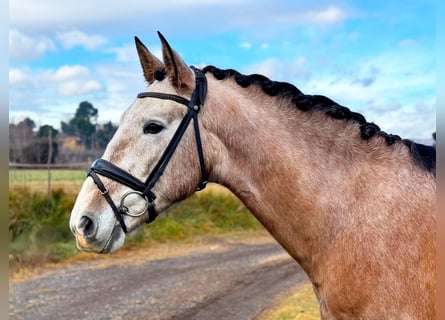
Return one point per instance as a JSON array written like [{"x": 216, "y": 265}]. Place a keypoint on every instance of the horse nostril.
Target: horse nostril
[{"x": 86, "y": 226}]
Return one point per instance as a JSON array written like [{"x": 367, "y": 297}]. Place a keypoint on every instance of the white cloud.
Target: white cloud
[
  {"x": 331, "y": 14},
  {"x": 75, "y": 38},
  {"x": 71, "y": 80},
  {"x": 384, "y": 86},
  {"x": 341, "y": 90},
  {"x": 17, "y": 76},
  {"x": 76, "y": 87},
  {"x": 52, "y": 118},
  {"x": 397, "y": 94},
  {"x": 270, "y": 68},
  {"x": 388, "y": 105},
  {"x": 245, "y": 45},
  {"x": 68, "y": 72},
  {"x": 413, "y": 120},
  {"x": 49, "y": 96},
  {"x": 126, "y": 53},
  {"x": 281, "y": 69},
  {"x": 25, "y": 48},
  {"x": 40, "y": 92},
  {"x": 401, "y": 78},
  {"x": 49, "y": 14},
  {"x": 124, "y": 81},
  {"x": 119, "y": 16}
]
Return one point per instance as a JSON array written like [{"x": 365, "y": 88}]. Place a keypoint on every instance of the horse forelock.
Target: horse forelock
[{"x": 422, "y": 155}]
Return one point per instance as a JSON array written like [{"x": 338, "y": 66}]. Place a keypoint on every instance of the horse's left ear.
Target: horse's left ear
[
  {"x": 149, "y": 63},
  {"x": 180, "y": 75}
]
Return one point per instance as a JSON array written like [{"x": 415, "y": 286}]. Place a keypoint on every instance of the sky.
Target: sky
[{"x": 374, "y": 57}]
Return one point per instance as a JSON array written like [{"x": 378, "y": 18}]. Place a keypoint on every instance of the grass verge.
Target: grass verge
[
  {"x": 39, "y": 231},
  {"x": 301, "y": 304},
  {"x": 39, "y": 176}
]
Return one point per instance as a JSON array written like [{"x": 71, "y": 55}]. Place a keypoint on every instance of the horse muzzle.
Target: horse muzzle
[{"x": 90, "y": 237}]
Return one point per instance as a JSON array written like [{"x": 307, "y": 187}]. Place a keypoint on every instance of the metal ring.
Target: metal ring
[{"x": 125, "y": 209}]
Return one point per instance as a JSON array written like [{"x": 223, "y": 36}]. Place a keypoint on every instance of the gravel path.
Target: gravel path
[{"x": 237, "y": 281}]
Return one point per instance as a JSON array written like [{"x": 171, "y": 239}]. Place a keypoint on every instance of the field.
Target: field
[
  {"x": 39, "y": 233},
  {"x": 23, "y": 176},
  {"x": 68, "y": 180}
]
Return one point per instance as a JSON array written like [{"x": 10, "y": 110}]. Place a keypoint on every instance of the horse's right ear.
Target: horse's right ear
[{"x": 149, "y": 63}]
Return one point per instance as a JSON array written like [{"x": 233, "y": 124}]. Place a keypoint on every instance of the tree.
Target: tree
[
  {"x": 20, "y": 136},
  {"x": 104, "y": 134},
  {"x": 43, "y": 140},
  {"x": 27, "y": 146},
  {"x": 38, "y": 151},
  {"x": 82, "y": 124},
  {"x": 43, "y": 131}
]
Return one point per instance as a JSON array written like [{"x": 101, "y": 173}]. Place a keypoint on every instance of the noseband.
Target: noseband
[{"x": 144, "y": 189}]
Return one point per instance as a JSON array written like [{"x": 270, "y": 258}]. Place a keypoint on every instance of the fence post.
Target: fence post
[{"x": 48, "y": 163}]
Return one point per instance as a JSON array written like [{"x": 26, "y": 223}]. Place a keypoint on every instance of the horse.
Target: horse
[{"x": 353, "y": 205}]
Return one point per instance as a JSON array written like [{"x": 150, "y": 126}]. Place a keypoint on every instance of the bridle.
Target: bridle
[{"x": 144, "y": 189}]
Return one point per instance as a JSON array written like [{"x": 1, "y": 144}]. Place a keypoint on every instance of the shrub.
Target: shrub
[
  {"x": 38, "y": 224},
  {"x": 39, "y": 230}
]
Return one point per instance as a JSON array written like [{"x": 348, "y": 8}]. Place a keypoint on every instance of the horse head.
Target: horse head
[{"x": 158, "y": 135}]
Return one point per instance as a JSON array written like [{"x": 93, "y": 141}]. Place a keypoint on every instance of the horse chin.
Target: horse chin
[{"x": 114, "y": 242}]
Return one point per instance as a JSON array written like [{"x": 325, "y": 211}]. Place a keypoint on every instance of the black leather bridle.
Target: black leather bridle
[{"x": 144, "y": 189}]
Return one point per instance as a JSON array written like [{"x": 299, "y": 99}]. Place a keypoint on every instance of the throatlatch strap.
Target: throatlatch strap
[{"x": 204, "y": 181}]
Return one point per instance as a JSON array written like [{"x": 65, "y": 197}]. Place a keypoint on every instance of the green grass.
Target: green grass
[
  {"x": 40, "y": 233},
  {"x": 21, "y": 176},
  {"x": 202, "y": 214}
]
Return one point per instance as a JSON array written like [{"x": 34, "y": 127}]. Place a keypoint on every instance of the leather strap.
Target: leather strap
[
  {"x": 109, "y": 170},
  {"x": 204, "y": 181},
  {"x": 164, "y": 96},
  {"x": 104, "y": 192}
]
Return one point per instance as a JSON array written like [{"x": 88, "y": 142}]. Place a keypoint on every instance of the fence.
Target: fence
[
  {"x": 47, "y": 178},
  {"x": 37, "y": 166}
]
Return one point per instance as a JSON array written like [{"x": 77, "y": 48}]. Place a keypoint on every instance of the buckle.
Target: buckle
[{"x": 202, "y": 185}]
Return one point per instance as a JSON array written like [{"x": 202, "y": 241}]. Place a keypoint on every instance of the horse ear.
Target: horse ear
[
  {"x": 180, "y": 75},
  {"x": 150, "y": 64}
]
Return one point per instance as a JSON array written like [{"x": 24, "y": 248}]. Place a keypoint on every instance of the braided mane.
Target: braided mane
[{"x": 424, "y": 156}]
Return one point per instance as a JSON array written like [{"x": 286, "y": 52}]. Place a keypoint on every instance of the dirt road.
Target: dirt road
[{"x": 227, "y": 280}]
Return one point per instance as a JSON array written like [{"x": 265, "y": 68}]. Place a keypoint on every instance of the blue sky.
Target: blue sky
[{"x": 375, "y": 57}]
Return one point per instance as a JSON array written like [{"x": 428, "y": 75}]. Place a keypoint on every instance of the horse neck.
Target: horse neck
[{"x": 295, "y": 171}]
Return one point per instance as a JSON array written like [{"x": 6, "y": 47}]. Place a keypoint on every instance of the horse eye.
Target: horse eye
[{"x": 153, "y": 127}]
